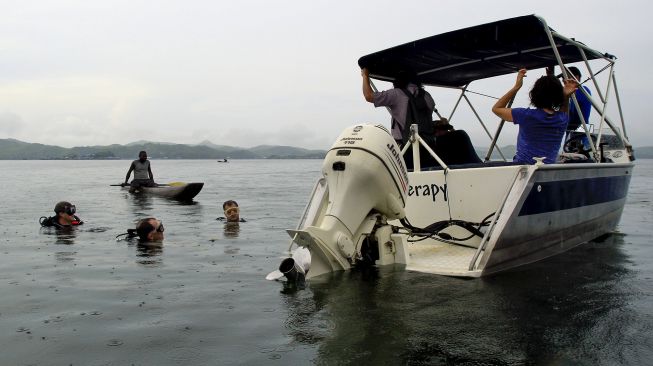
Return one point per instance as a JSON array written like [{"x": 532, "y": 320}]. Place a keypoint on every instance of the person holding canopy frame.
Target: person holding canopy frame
[
  {"x": 540, "y": 129},
  {"x": 408, "y": 103}
]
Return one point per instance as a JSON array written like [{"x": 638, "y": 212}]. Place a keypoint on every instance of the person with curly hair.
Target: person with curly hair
[{"x": 542, "y": 128}]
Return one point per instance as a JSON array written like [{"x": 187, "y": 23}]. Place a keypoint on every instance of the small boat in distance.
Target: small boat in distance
[
  {"x": 473, "y": 219},
  {"x": 223, "y": 161},
  {"x": 179, "y": 191}
]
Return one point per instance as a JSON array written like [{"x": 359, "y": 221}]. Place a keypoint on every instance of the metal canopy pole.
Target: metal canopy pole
[
  {"x": 621, "y": 114},
  {"x": 455, "y": 107},
  {"x": 608, "y": 121},
  {"x": 596, "y": 84},
  {"x": 605, "y": 106},
  {"x": 554, "y": 47},
  {"x": 583, "y": 122},
  {"x": 496, "y": 134},
  {"x": 482, "y": 124}
]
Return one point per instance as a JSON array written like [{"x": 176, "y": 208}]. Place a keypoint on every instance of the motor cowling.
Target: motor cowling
[
  {"x": 366, "y": 175},
  {"x": 364, "y": 170}
]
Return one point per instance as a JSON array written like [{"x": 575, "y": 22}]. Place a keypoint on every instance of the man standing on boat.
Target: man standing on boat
[
  {"x": 143, "y": 176},
  {"x": 407, "y": 103},
  {"x": 397, "y": 101},
  {"x": 583, "y": 102}
]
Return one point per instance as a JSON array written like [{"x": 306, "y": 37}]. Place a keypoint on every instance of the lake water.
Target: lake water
[{"x": 201, "y": 299}]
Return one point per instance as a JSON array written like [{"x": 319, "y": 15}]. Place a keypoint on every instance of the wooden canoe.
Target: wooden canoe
[{"x": 177, "y": 191}]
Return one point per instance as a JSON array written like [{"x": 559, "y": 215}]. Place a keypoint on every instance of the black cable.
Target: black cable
[
  {"x": 131, "y": 233},
  {"x": 435, "y": 229}
]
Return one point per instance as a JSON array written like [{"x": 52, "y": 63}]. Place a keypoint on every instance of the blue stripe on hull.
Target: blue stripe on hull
[{"x": 567, "y": 194}]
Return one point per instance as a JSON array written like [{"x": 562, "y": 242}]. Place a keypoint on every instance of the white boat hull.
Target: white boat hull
[
  {"x": 469, "y": 221},
  {"x": 561, "y": 206},
  {"x": 549, "y": 209}
]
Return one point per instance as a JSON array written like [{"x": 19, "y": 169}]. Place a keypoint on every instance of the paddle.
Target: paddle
[{"x": 157, "y": 185}]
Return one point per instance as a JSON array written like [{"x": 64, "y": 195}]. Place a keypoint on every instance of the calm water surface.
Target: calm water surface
[{"x": 201, "y": 299}]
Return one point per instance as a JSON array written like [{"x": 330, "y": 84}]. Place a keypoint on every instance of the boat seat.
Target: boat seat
[
  {"x": 455, "y": 147},
  {"x": 456, "y": 150}
]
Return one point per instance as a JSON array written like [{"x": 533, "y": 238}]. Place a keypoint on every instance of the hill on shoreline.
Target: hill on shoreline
[{"x": 11, "y": 149}]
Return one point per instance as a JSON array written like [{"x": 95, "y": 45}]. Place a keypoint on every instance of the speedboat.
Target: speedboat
[{"x": 468, "y": 219}]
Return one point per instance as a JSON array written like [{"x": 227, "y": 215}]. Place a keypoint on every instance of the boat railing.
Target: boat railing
[
  {"x": 486, "y": 238},
  {"x": 312, "y": 207},
  {"x": 415, "y": 141},
  {"x": 603, "y": 96}
]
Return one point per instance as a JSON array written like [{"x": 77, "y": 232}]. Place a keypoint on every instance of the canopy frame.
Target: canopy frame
[{"x": 437, "y": 68}]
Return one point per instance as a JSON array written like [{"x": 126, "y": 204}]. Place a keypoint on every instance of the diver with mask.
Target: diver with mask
[
  {"x": 64, "y": 216},
  {"x": 149, "y": 231}
]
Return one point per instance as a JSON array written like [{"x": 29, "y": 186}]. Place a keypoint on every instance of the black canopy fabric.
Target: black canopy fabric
[{"x": 456, "y": 58}]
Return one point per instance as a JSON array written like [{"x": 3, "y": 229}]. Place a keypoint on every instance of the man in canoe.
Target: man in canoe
[{"x": 143, "y": 176}]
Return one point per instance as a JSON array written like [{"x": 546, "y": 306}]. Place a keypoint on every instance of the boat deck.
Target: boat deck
[{"x": 431, "y": 256}]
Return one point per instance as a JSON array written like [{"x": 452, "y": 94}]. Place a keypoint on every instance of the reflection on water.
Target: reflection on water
[
  {"x": 149, "y": 255},
  {"x": 139, "y": 203},
  {"x": 66, "y": 235},
  {"x": 573, "y": 304},
  {"x": 231, "y": 229},
  {"x": 63, "y": 236}
]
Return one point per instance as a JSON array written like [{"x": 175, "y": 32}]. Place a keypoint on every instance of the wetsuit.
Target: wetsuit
[{"x": 53, "y": 221}]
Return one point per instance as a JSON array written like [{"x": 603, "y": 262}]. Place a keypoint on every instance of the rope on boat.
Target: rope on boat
[{"x": 434, "y": 230}]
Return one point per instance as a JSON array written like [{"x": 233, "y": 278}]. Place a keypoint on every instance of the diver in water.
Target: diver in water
[
  {"x": 231, "y": 212},
  {"x": 64, "y": 216},
  {"x": 148, "y": 230}
]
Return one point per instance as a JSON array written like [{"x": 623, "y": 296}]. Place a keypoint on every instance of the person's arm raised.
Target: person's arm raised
[
  {"x": 368, "y": 93},
  {"x": 500, "y": 108},
  {"x": 570, "y": 87}
]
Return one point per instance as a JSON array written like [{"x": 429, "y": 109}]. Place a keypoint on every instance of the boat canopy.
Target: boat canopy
[{"x": 456, "y": 58}]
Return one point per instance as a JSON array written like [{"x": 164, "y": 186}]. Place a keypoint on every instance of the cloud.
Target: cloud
[
  {"x": 10, "y": 124},
  {"x": 250, "y": 73}
]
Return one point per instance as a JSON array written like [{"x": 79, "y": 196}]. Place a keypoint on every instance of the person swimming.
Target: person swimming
[
  {"x": 148, "y": 230},
  {"x": 231, "y": 212},
  {"x": 64, "y": 216}
]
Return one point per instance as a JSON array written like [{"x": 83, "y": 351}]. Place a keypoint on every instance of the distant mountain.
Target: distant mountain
[
  {"x": 508, "y": 152},
  {"x": 143, "y": 142},
  {"x": 11, "y": 149},
  {"x": 217, "y": 147},
  {"x": 287, "y": 152},
  {"x": 645, "y": 152}
]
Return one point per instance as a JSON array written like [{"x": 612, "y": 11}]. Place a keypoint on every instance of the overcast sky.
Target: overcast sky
[{"x": 247, "y": 73}]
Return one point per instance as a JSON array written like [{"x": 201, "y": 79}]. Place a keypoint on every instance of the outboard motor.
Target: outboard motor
[
  {"x": 367, "y": 184},
  {"x": 293, "y": 268}
]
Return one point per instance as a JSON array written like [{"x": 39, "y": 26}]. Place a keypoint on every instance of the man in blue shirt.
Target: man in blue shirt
[{"x": 583, "y": 102}]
